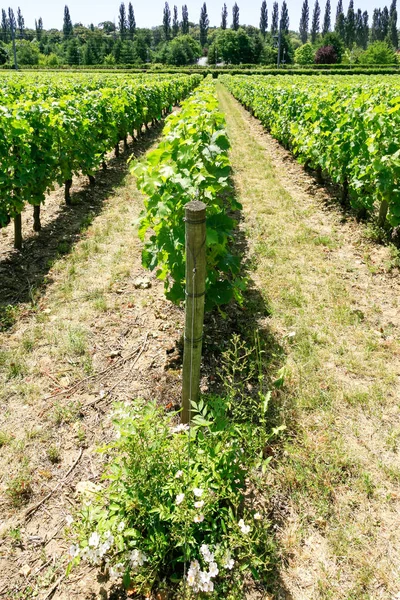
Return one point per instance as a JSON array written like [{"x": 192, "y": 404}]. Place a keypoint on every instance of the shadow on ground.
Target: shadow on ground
[
  {"x": 24, "y": 274},
  {"x": 248, "y": 323}
]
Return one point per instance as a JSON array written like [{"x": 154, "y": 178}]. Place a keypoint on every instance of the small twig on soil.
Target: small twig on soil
[
  {"x": 55, "y": 586},
  {"x": 76, "y": 385},
  {"x": 32, "y": 510},
  {"x": 109, "y": 392}
]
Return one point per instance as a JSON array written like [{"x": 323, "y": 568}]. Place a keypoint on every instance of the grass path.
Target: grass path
[{"x": 333, "y": 297}]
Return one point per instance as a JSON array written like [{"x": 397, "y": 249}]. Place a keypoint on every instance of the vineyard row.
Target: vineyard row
[
  {"x": 348, "y": 130},
  {"x": 49, "y": 140}
]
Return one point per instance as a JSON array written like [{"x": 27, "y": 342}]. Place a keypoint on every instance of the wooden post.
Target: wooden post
[
  {"x": 37, "y": 226},
  {"x": 195, "y": 218},
  {"x": 18, "y": 232}
]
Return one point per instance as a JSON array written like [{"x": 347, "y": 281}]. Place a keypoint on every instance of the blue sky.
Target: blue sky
[{"x": 150, "y": 13}]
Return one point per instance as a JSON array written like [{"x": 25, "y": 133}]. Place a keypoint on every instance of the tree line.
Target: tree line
[{"x": 180, "y": 41}]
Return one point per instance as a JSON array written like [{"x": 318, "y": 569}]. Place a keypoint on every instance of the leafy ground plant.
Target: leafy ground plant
[{"x": 173, "y": 512}]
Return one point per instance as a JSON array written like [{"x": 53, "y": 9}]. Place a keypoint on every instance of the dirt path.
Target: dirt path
[
  {"x": 333, "y": 298},
  {"x": 96, "y": 329}
]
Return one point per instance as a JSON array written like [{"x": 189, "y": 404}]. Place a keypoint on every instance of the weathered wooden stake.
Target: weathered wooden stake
[
  {"x": 37, "y": 226},
  {"x": 18, "y": 232},
  {"x": 195, "y": 218}
]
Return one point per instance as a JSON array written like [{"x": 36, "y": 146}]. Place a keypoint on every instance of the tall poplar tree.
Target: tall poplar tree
[
  {"x": 20, "y": 23},
  {"x": 326, "y": 27},
  {"x": 224, "y": 17},
  {"x": 204, "y": 24},
  {"x": 67, "y": 25},
  {"x": 167, "y": 21},
  {"x": 315, "y": 22},
  {"x": 175, "y": 22},
  {"x": 376, "y": 27},
  {"x": 264, "y": 18},
  {"x": 304, "y": 21},
  {"x": 284, "y": 22},
  {"x": 185, "y": 20},
  {"x": 5, "y": 26},
  {"x": 275, "y": 18},
  {"x": 131, "y": 21},
  {"x": 122, "y": 24},
  {"x": 385, "y": 22},
  {"x": 350, "y": 25},
  {"x": 235, "y": 17},
  {"x": 340, "y": 23},
  {"x": 394, "y": 36},
  {"x": 366, "y": 29},
  {"x": 39, "y": 28}
]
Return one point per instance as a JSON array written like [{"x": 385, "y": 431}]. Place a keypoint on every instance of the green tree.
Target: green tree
[
  {"x": 235, "y": 17},
  {"x": 385, "y": 19},
  {"x": 141, "y": 49},
  {"x": 378, "y": 53},
  {"x": 175, "y": 22},
  {"x": 350, "y": 25},
  {"x": 131, "y": 22},
  {"x": 89, "y": 55},
  {"x": 203, "y": 23},
  {"x": 315, "y": 22},
  {"x": 333, "y": 39},
  {"x": 304, "y": 55},
  {"x": 27, "y": 52},
  {"x": 326, "y": 27},
  {"x": 275, "y": 18},
  {"x": 185, "y": 20},
  {"x": 394, "y": 36},
  {"x": 73, "y": 52},
  {"x": 376, "y": 28},
  {"x": 67, "y": 25},
  {"x": 303, "y": 27},
  {"x": 224, "y": 17},
  {"x": 167, "y": 21},
  {"x": 20, "y": 23},
  {"x": 122, "y": 24},
  {"x": 264, "y": 19},
  {"x": 340, "y": 23},
  {"x": 284, "y": 22},
  {"x": 183, "y": 50},
  {"x": 5, "y": 26},
  {"x": 39, "y": 29},
  {"x": 287, "y": 52}
]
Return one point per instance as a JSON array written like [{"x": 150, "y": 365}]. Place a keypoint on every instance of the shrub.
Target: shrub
[
  {"x": 160, "y": 506},
  {"x": 378, "y": 53},
  {"x": 304, "y": 55},
  {"x": 326, "y": 55}
]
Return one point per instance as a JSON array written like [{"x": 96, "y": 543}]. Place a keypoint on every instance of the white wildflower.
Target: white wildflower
[
  {"x": 198, "y": 492},
  {"x": 69, "y": 519},
  {"x": 178, "y": 474},
  {"x": 180, "y": 428},
  {"x": 243, "y": 528},
  {"x": 121, "y": 527},
  {"x": 179, "y": 499},
  {"x": 199, "y": 504},
  {"x": 257, "y": 516},
  {"x": 138, "y": 558},
  {"x": 206, "y": 554},
  {"x": 116, "y": 571},
  {"x": 228, "y": 564},
  {"x": 94, "y": 539},
  {"x": 213, "y": 569},
  {"x": 74, "y": 550},
  {"x": 198, "y": 518}
]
